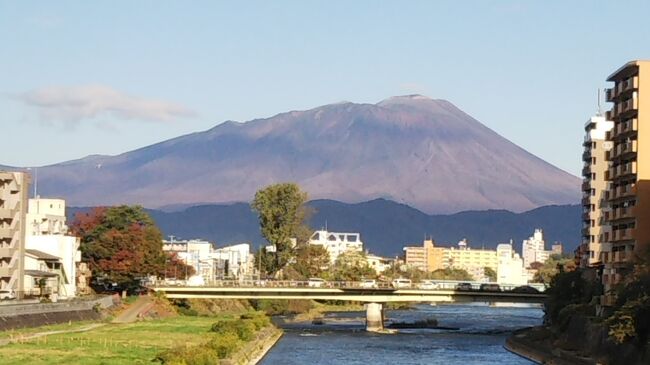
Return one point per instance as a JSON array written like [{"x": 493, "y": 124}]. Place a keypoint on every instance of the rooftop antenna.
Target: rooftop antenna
[{"x": 600, "y": 107}]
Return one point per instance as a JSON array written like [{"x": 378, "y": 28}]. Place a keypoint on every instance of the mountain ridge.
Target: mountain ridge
[{"x": 412, "y": 149}]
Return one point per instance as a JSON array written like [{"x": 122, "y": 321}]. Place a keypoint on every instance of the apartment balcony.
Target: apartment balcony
[
  {"x": 7, "y": 213},
  {"x": 627, "y": 169},
  {"x": 7, "y": 251},
  {"x": 624, "y": 87},
  {"x": 626, "y": 108},
  {"x": 623, "y": 191},
  {"x": 7, "y": 232},
  {"x": 610, "y": 94},
  {"x": 623, "y": 213},
  {"x": 586, "y": 216},
  {"x": 586, "y": 171},
  {"x": 626, "y": 234},
  {"x": 586, "y": 186},
  {"x": 586, "y": 156},
  {"x": 6, "y": 271},
  {"x": 623, "y": 150}
]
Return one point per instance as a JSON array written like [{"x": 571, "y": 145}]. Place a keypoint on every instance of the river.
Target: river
[{"x": 343, "y": 340}]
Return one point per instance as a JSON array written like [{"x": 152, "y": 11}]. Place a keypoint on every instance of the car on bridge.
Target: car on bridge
[
  {"x": 490, "y": 287},
  {"x": 525, "y": 289},
  {"x": 401, "y": 283},
  {"x": 368, "y": 284},
  {"x": 428, "y": 285},
  {"x": 464, "y": 286},
  {"x": 316, "y": 283}
]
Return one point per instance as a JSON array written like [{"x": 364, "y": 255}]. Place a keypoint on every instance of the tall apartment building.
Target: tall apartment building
[
  {"x": 595, "y": 228},
  {"x": 629, "y": 171},
  {"x": 533, "y": 249},
  {"x": 14, "y": 187}
]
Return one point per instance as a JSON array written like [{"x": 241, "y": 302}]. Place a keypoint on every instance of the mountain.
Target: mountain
[
  {"x": 385, "y": 226},
  {"x": 411, "y": 149}
]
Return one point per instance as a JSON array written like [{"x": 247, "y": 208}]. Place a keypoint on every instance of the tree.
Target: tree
[
  {"x": 451, "y": 274},
  {"x": 282, "y": 213},
  {"x": 554, "y": 265},
  {"x": 351, "y": 266},
  {"x": 311, "y": 261},
  {"x": 121, "y": 244},
  {"x": 489, "y": 273}
]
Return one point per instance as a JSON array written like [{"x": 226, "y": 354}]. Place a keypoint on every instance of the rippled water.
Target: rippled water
[{"x": 343, "y": 340}]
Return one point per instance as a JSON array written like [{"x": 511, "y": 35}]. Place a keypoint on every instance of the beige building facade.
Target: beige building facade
[
  {"x": 629, "y": 170},
  {"x": 14, "y": 187},
  {"x": 427, "y": 257},
  {"x": 595, "y": 206}
]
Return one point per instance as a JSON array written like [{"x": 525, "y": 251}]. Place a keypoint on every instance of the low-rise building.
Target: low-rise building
[
  {"x": 337, "y": 243},
  {"x": 378, "y": 263},
  {"x": 212, "y": 263}
]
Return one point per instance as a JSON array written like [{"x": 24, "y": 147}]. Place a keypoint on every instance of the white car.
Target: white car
[
  {"x": 401, "y": 283},
  {"x": 7, "y": 294},
  {"x": 315, "y": 282},
  {"x": 428, "y": 285},
  {"x": 369, "y": 284}
]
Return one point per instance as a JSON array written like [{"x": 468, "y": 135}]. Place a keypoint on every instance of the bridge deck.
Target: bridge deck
[{"x": 348, "y": 294}]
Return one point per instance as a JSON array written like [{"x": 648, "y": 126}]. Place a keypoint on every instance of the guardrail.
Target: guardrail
[{"x": 428, "y": 284}]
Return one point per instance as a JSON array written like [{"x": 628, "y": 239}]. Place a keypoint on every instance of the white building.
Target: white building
[
  {"x": 51, "y": 255},
  {"x": 532, "y": 249},
  {"x": 212, "y": 263},
  {"x": 337, "y": 243},
  {"x": 510, "y": 266},
  {"x": 234, "y": 261},
  {"x": 378, "y": 263}
]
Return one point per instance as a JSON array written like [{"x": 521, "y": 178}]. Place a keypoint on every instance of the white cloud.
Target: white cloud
[{"x": 75, "y": 103}]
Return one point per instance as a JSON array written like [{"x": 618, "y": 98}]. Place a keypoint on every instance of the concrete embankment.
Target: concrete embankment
[
  {"x": 254, "y": 351},
  {"x": 529, "y": 343},
  {"x": 41, "y": 314}
]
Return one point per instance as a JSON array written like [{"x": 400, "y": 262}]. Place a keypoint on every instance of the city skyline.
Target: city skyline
[{"x": 99, "y": 80}]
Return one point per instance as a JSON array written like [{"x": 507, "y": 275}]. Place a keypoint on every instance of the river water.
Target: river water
[{"x": 481, "y": 333}]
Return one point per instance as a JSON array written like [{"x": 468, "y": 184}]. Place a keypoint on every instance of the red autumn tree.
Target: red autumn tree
[{"x": 121, "y": 244}]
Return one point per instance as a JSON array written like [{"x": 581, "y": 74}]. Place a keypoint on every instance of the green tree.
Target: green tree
[
  {"x": 489, "y": 273},
  {"x": 281, "y": 211},
  {"x": 311, "y": 261},
  {"x": 451, "y": 274},
  {"x": 121, "y": 244},
  {"x": 554, "y": 265},
  {"x": 351, "y": 266}
]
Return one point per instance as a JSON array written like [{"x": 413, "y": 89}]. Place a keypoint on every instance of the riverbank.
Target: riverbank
[{"x": 536, "y": 344}]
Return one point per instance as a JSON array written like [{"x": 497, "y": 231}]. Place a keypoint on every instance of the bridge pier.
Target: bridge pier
[{"x": 374, "y": 317}]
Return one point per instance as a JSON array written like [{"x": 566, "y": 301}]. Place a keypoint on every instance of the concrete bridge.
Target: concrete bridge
[{"x": 373, "y": 297}]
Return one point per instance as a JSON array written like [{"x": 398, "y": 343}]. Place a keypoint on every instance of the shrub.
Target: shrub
[{"x": 224, "y": 344}]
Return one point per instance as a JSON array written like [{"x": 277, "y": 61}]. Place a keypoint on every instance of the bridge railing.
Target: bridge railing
[{"x": 434, "y": 284}]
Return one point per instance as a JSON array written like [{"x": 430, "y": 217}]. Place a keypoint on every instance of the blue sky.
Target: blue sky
[{"x": 80, "y": 78}]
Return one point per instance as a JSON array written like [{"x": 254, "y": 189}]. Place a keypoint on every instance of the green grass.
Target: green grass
[
  {"x": 54, "y": 327},
  {"x": 136, "y": 343}
]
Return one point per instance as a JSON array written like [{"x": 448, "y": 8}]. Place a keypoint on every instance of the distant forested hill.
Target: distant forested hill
[{"x": 385, "y": 226}]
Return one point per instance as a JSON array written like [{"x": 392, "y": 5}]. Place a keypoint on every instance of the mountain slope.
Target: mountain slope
[
  {"x": 422, "y": 152},
  {"x": 385, "y": 226}
]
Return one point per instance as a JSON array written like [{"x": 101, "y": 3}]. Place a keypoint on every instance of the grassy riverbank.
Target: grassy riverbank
[{"x": 142, "y": 342}]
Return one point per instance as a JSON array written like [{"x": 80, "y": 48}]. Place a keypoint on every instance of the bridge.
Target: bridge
[{"x": 374, "y": 297}]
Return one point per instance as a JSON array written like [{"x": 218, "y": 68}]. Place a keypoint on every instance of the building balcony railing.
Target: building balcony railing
[
  {"x": 586, "y": 186},
  {"x": 625, "y": 234},
  {"x": 610, "y": 94},
  {"x": 624, "y": 149},
  {"x": 623, "y": 213},
  {"x": 624, "y": 86}
]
